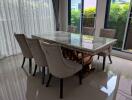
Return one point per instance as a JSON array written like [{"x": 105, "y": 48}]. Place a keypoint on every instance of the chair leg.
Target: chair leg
[
  {"x": 110, "y": 59},
  {"x": 35, "y": 70},
  {"x": 43, "y": 74},
  {"x": 98, "y": 57},
  {"x": 104, "y": 59},
  {"x": 48, "y": 82},
  {"x": 61, "y": 88},
  {"x": 30, "y": 65},
  {"x": 23, "y": 62},
  {"x": 80, "y": 77}
]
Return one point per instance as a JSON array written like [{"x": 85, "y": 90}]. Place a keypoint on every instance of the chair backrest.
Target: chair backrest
[
  {"x": 108, "y": 33},
  {"x": 71, "y": 29},
  {"x": 55, "y": 59},
  {"x": 21, "y": 39},
  {"x": 88, "y": 30},
  {"x": 37, "y": 52}
]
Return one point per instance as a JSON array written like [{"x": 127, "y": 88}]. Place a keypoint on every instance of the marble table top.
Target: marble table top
[{"x": 77, "y": 41}]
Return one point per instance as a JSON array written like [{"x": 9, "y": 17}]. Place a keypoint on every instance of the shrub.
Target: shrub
[
  {"x": 90, "y": 12},
  {"x": 75, "y": 17},
  {"x": 117, "y": 20}
]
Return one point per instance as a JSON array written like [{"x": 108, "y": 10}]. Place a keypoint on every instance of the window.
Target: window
[
  {"x": 82, "y": 13},
  {"x": 76, "y": 8},
  {"x": 116, "y": 18},
  {"x": 89, "y": 13}
]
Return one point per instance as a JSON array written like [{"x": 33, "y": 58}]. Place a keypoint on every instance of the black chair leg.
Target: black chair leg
[
  {"x": 30, "y": 66},
  {"x": 61, "y": 88},
  {"x": 35, "y": 70},
  {"x": 98, "y": 57},
  {"x": 43, "y": 74},
  {"x": 110, "y": 59},
  {"x": 80, "y": 77},
  {"x": 23, "y": 62},
  {"x": 104, "y": 59},
  {"x": 48, "y": 82}
]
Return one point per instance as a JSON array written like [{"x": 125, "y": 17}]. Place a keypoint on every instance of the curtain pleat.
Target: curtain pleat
[
  {"x": 23, "y": 16},
  {"x": 56, "y": 12}
]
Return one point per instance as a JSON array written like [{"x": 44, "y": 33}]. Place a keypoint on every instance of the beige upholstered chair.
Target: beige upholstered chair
[
  {"x": 38, "y": 55},
  {"x": 21, "y": 39},
  {"x": 58, "y": 66},
  {"x": 108, "y": 33},
  {"x": 88, "y": 30},
  {"x": 71, "y": 29},
  {"x": 68, "y": 53}
]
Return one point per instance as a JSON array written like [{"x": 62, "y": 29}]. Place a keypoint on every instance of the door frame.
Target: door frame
[{"x": 126, "y": 29}]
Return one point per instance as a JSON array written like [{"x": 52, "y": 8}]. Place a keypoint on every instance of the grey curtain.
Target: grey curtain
[
  {"x": 23, "y": 16},
  {"x": 56, "y": 12}
]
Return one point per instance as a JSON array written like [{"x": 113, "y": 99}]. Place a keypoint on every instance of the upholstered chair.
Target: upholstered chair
[
  {"x": 21, "y": 39},
  {"x": 88, "y": 30},
  {"x": 71, "y": 29},
  {"x": 38, "y": 55},
  {"x": 58, "y": 66},
  {"x": 108, "y": 33},
  {"x": 68, "y": 53}
]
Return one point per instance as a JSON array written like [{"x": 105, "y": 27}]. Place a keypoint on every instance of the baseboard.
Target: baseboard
[
  {"x": 121, "y": 54},
  {"x": 3, "y": 57}
]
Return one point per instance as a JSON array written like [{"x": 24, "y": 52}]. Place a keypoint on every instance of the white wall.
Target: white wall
[{"x": 100, "y": 18}]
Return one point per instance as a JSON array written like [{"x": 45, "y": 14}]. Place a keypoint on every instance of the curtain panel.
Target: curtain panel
[
  {"x": 56, "y": 12},
  {"x": 23, "y": 16}
]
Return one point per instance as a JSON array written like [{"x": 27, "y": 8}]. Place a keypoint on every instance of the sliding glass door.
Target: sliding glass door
[
  {"x": 82, "y": 13},
  {"x": 116, "y": 18},
  {"x": 128, "y": 36},
  {"x": 75, "y": 10},
  {"x": 89, "y": 15}
]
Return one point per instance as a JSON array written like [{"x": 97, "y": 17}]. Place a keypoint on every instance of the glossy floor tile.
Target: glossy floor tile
[{"x": 115, "y": 83}]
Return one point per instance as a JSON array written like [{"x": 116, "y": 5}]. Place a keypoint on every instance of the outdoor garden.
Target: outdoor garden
[{"x": 117, "y": 19}]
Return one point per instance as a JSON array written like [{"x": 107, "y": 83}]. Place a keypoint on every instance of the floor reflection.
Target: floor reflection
[{"x": 110, "y": 85}]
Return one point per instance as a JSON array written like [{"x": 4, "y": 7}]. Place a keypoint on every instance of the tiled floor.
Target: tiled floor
[{"x": 115, "y": 82}]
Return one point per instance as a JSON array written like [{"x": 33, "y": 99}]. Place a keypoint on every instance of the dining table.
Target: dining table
[{"x": 89, "y": 44}]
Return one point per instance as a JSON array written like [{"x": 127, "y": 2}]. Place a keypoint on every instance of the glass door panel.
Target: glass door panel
[
  {"x": 117, "y": 19},
  {"x": 76, "y": 9},
  {"x": 89, "y": 15},
  {"x": 82, "y": 14}
]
